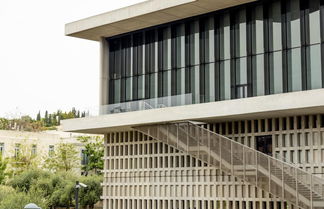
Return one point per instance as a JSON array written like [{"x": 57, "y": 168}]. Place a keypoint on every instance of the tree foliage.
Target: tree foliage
[
  {"x": 48, "y": 122},
  {"x": 94, "y": 151},
  {"x": 91, "y": 194},
  {"x": 4, "y": 124},
  {"x": 3, "y": 168},
  {"x": 17, "y": 200},
  {"x": 64, "y": 158},
  {"x": 49, "y": 190},
  {"x": 23, "y": 160}
]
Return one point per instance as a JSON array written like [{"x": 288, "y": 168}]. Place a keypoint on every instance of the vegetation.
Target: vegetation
[
  {"x": 22, "y": 159},
  {"x": 93, "y": 149},
  {"x": 3, "y": 167},
  {"x": 64, "y": 158},
  {"x": 53, "y": 186},
  {"x": 48, "y": 190},
  {"x": 46, "y": 122},
  {"x": 23, "y": 179}
]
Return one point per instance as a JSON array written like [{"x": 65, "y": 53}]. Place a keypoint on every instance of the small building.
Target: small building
[{"x": 40, "y": 144}]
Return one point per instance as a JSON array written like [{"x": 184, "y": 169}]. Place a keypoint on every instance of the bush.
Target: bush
[
  {"x": 23, "y": 181},
  {"x": 5, "y": 191},
  {"x": 91, "y": 194},
  {"x": 48, "y": 190},
  {"x": 19, "y": 200}
]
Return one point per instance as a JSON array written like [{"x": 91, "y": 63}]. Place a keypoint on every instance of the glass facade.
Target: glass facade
[{"x": 262, "y": 48}]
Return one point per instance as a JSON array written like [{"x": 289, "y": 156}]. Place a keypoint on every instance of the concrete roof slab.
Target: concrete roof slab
[{"x": 142, "y": 15}]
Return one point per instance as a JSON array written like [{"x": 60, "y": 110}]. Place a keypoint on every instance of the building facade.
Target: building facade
[
  {"x": 40, "y": 145},
  {"x": 210, "y": 104}
]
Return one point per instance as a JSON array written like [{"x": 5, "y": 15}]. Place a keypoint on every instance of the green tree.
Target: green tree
[
  {"x": 23, "y": 181},
  {"x": 5, "y": 191},
  {"x": 73, "y": 112},
  {"x": 91, "y": 194},
  {"x": 23, "y": 159},
  {"x": 38, "y": 117},
  {"x": 94, "y": 152},
  {"x": 49, "y": 123},
  {"x": 46, "y": 118},
  {"x": 64, "y": 158},
  {"x": 4, "y": 124},
  {"x": 3, "y": 168}
]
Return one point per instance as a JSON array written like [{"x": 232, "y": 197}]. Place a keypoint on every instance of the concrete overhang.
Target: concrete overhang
[
  {"x": 279, "y": 105},
  {"x": 143, "y": 15}
]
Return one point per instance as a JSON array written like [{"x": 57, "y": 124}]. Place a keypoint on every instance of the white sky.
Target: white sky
[{"x": 40, "y": 68}]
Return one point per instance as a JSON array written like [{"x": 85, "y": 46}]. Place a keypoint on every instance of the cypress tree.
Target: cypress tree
[{"x": 38, "y": 118}]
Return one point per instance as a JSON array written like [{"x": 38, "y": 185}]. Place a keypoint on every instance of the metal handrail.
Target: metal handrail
[{"x": 281, "y": 179}]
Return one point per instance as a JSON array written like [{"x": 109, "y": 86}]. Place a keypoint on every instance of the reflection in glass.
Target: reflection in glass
[
  {"x": 314, "y": 67},
  {"x": 294, "y": 70},
  {"x": 275, "y": 66},
  {"x": 258, "y": 75},
  {"x": 293, "y": 23}
]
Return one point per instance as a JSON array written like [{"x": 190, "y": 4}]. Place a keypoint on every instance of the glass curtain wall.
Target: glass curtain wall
[{"x": 261, "y": 48}]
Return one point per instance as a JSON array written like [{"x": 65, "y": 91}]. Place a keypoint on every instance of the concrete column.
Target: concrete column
[{"x": 104, "y": 72}]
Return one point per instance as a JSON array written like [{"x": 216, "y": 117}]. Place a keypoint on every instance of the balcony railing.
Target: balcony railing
[{"x": 154, "y": 103}]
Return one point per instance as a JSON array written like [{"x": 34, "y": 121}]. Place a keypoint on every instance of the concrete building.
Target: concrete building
[{"x": 209, "y": 104}]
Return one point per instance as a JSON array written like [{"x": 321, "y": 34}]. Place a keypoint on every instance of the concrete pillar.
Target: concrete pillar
[{"x": 104, "y": 72}]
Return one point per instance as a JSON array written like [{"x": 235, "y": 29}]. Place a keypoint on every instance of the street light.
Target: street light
[
  {"x": 31, "y": 206},
  {"x": 78, "y": 185}
]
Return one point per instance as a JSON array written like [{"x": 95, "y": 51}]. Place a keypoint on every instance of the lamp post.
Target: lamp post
[
  {"x": 78, "y": 185},
  {"x": 31, "y": 206}
]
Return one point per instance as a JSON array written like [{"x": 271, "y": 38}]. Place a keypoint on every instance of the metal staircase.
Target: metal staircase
[{"x": 281, "y": 179}]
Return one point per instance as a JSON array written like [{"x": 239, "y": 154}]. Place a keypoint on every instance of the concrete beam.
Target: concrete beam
[{"x": 287, "y": 104}]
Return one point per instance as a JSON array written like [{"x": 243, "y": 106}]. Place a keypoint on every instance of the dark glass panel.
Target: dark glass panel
[
  {"x": 314, "y": 22},
  {"x": 138, "y": 54},
  {"x": 117, "y": 91},
  {"x": 150, "y": 39},
  {"x": 239, "y": 33},
  {"x": 225, "y": 80},
  {"x": 141, "y": 86},
  {"x": 257, "y": 30},
  {"x": 192, "y": 43},
  {"x": 293, "y": 23},
  {"x": 125, "y": 56},
  {"x": 177, "y": 45},
  {"x": 314, "y": 67},
  {"x": 187, "y": 80},
  {"x": 241, "y": 79},
  {"x": 276, "y": 72},
  {"x": 111, "y": 92},
  {"x": 194, "y": 83},
  {"x": 123, "y": 90},
  {"x": 258, "y": 77},
  {"x": 294, "y": 70},
  {"x": 274, "y": 26},
  {"x": 206, "y": 37},
  {"x": 164, "y": 48},
  {"x": 153, "y": 85},
  {"x": 128, "y": 96},
  {"x": 222, "y": 37}
]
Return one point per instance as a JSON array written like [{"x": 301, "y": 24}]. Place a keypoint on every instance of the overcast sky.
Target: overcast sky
[{"x": 40, "y": 68}]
